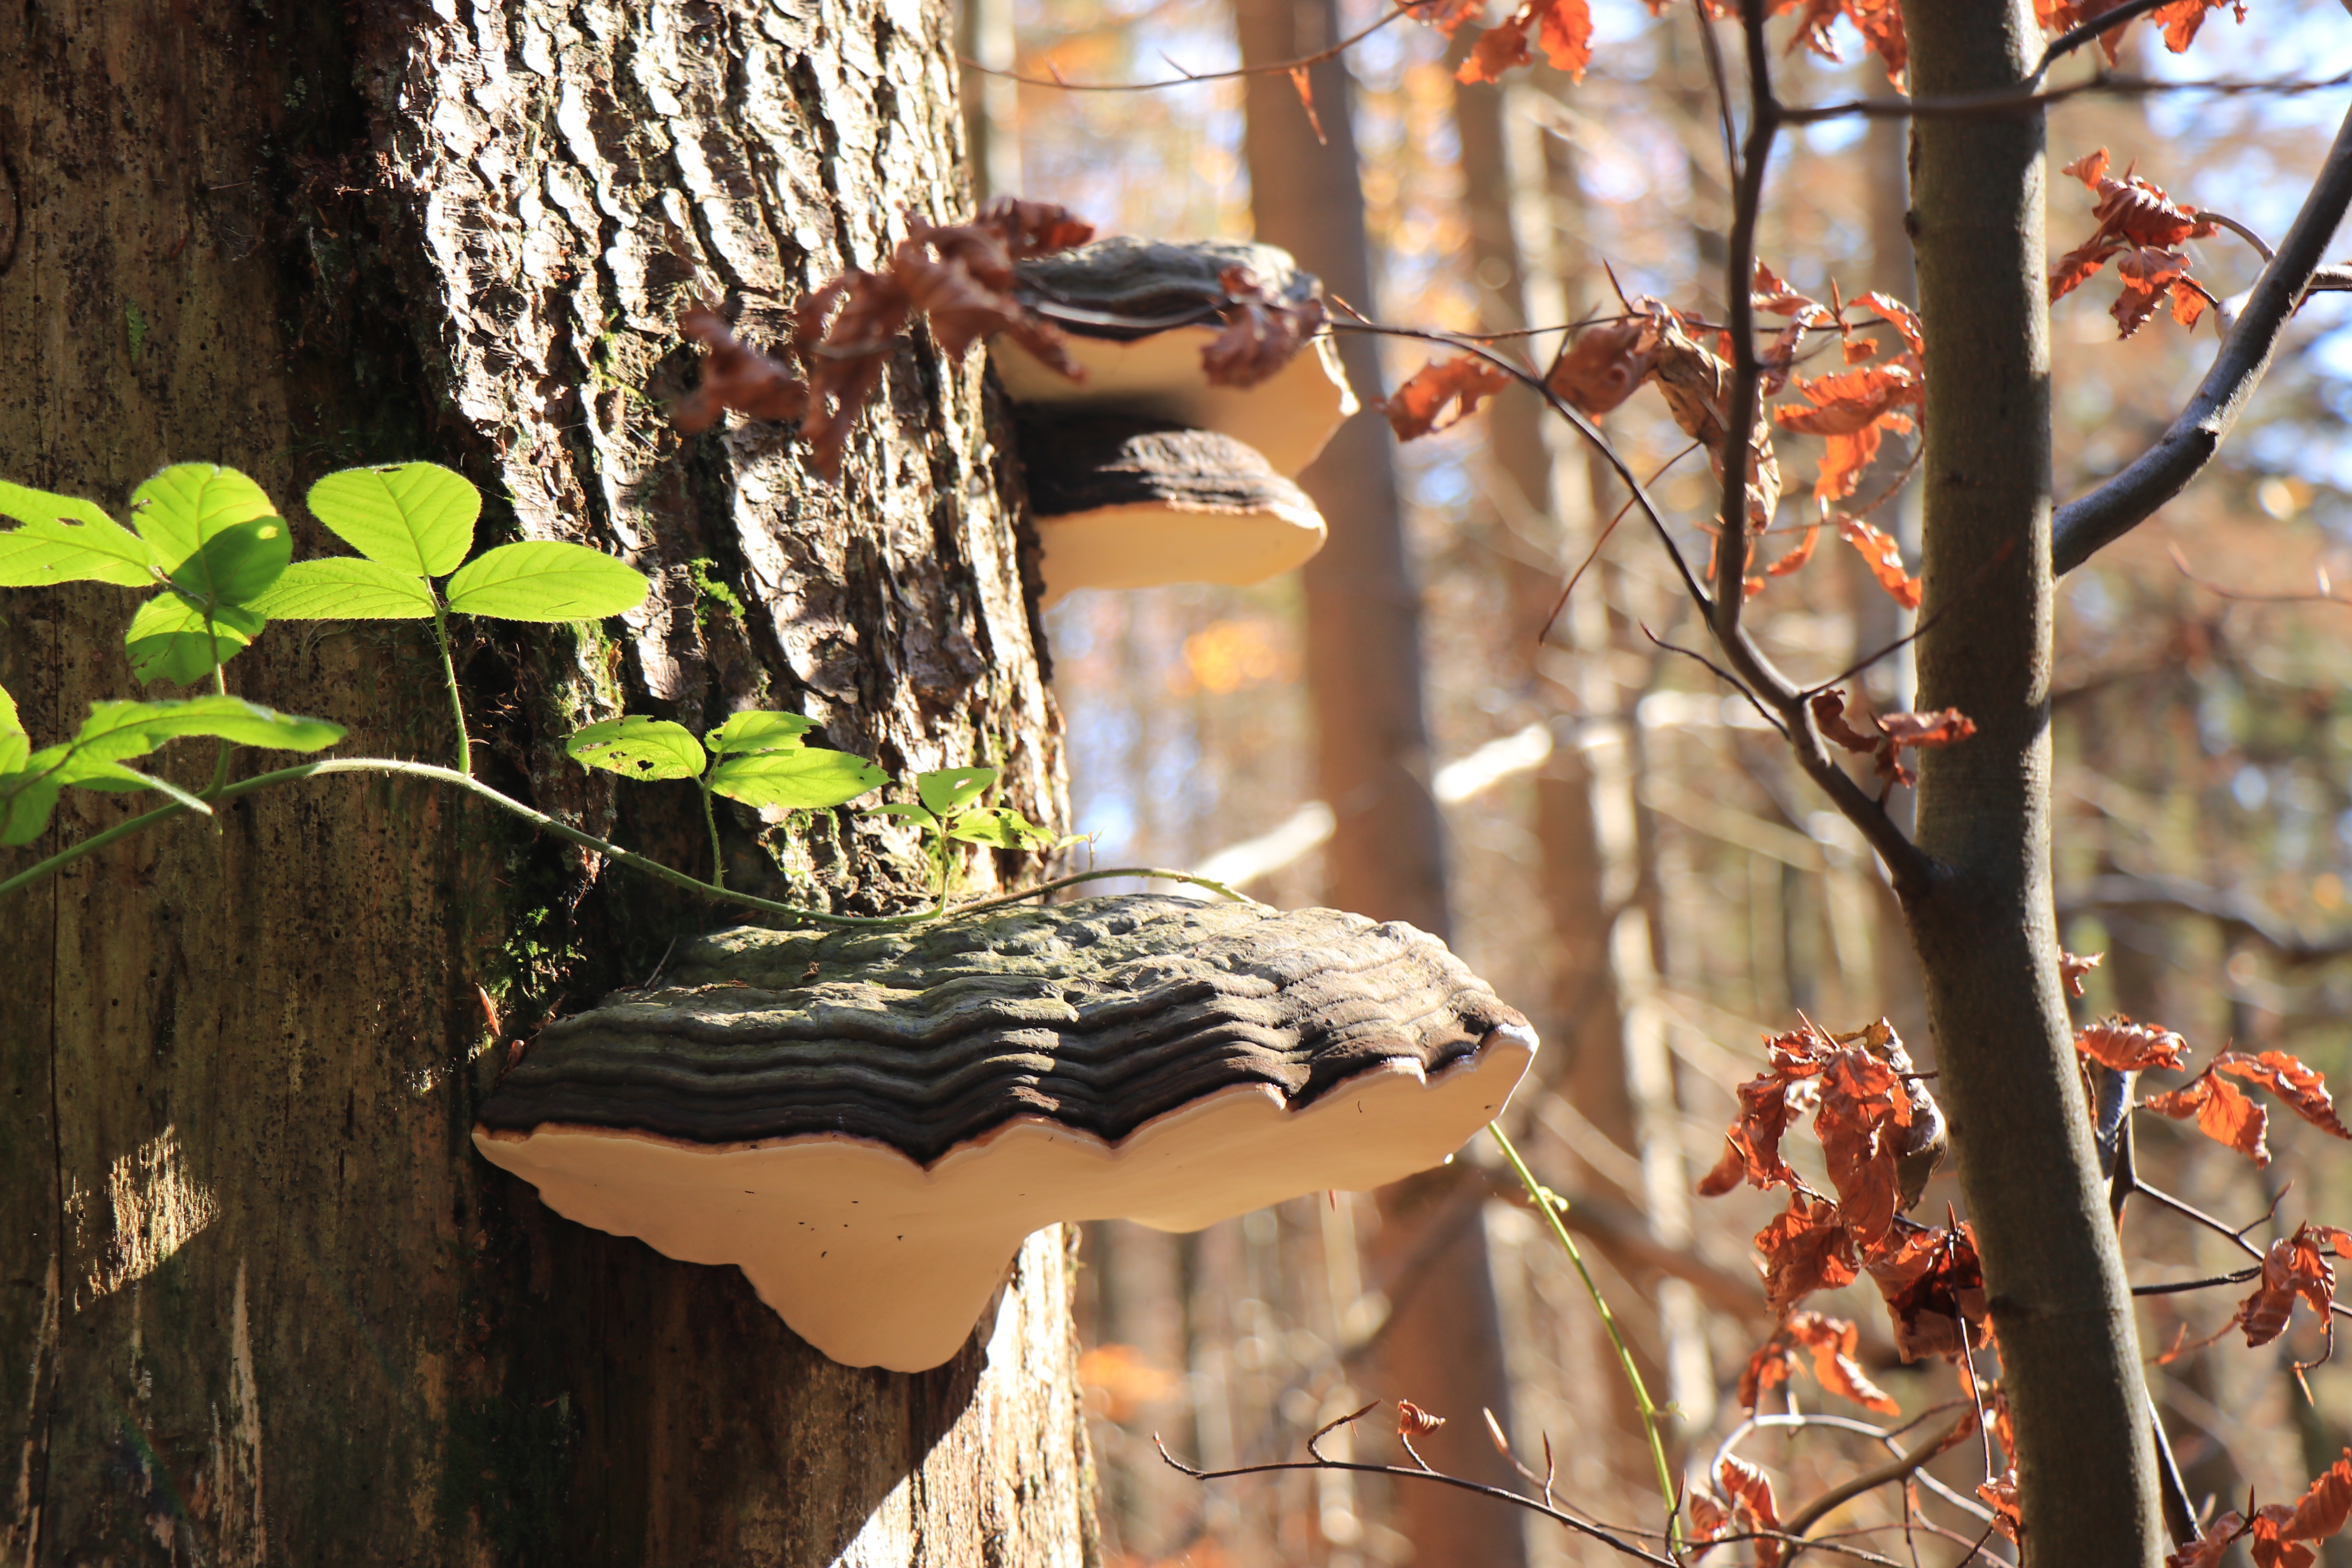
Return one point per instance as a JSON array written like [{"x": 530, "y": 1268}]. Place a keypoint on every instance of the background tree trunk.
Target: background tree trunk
[
  {"x": 1985, "y": 929},
  {"x": 1387, "y": 856},
  {"x": 262, "y": 1302}
]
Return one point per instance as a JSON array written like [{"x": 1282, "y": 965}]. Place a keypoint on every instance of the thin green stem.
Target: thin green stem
[
  {"x": 449, "y": 680},
  {"x": 710, "y": 820},
  {"x": 547, "y": 824},
  {"x": 1547, "y": 1200},
  {"x": 220, "y": 689}
]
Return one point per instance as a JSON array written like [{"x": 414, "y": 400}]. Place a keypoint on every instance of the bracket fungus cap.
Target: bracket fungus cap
[
  {"x": 1155, "y": 371},
  {"x": 1131, "y": 504},
  {"x": 869, "y": 1124}
]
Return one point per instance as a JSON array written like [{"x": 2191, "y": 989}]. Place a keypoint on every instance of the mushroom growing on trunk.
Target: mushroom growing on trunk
[
  {"x": 1122, "y": 502},
  {"x": 868, "y": 1125}
]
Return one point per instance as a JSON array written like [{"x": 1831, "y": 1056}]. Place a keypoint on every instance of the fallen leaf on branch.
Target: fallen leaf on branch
[
  {"x": 1262, "y": 332},
  {"x": 2117, "y": 1042},
  {"x": 2223, "y": 1113},
  {"x": 2301, "y": 1088},
  {"x": 1420, "y": 407},
  {"x": 2319, "y": 1513},
  {"x": 2071, "y": 969}
]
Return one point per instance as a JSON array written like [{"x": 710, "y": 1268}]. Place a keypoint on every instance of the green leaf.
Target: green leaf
[
  {"x": 178, "y": 511},
  {"x": 416, "y": 518},
  {"x": 800, "y": 780},
  {"x": 167, "y": 642},
  {"x": 236, "y": 563},
  {"x": 1001, "y": 827},
  {"x": 64, "y": 539},
  {"x": 541, "y": 579},
  {"x": 758, "y": 731},
  {"x": 953, "y": 788},
  {"x": 116, "y": 731},
  {"x": 15, "y": 744},
  {"x": 639, "y": 748},
  {"x": 113, "y": 778},
  {"x": 344, "y": 588},
  {"x": 900, "y": 808}
]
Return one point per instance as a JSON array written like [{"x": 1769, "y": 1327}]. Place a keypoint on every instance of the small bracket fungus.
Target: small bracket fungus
[
  {"x": 1096, "y": 294},
  {"x": 1126, "y": 503},
  {"x": 870, "y": 1123}
]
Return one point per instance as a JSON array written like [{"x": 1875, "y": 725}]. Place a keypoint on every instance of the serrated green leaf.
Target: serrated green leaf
[
  {"x": 639, "y": 748},
  {"x": 15, "y": 744},
  {"x": 951, "y": 789},
  {"x": 166, "y": 638},
  {"x": 344, "y": 588},
  {"x": 237, "y": 564},
  {"x": 64, "y": 539},
  {"x": 183, "y": 507},
  {"x": 1000, "y": 827},
  {"x": 802, "y": 780},
  {"x": 542, "y": 580},
  {"x": 416, "y": 518},
  {"x": 758, "y": 731},
  {"x": 901, "y": 809}
]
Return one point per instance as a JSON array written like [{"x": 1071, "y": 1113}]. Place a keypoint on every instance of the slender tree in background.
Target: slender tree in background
[
  {"x": 263, "y": 1303},
  {"x": 1386, "y": 858}
]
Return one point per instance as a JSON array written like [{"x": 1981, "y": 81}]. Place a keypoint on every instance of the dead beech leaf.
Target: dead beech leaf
[
  {"x": 2000, "y": 1496},
  {"x": 1832, "y": 1343},
  {"x": 1262, "y": 332},
  {"x": 1880, "y": 23},
  {"x": 2141, "y": 229},
  {"x": 1885, "y": 558},
  {"x": 2295, "y": 1267},
  {"x": 1753, "y": 1507},
  {"x": 734, "y": 376},
  {"x": 2301, "y": 1088},
  {"x": 2208, "y": 1548},
  {"x": 1562, "y": 28},
  {"x": 2117, "y": 1042},
  {"x": 1933, "y": 1283},
  {"x": 2319, "y": 1513},
  {"x": 1805, "y": 1250},
  {"x": 1460, "y": 383},
  {"x": 1829, "y": 714},
  {"x": 2071, "y": 969},
  {"x": 2223, "y": 1113},
  {"x": 1604, "y": 365}
]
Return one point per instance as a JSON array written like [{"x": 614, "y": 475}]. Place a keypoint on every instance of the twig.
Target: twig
[
  {"x": 1616, "y": 1542},
  {"x": 1731, "y": 545},
  {"x": 2083, "y": 527},
  {"x": 1405, "y": 8},
  {"x": 2177, "y": 1287},
  {"x": 2075, "y": 39},
  {"x": 2326, "y": 594},
  {"x": 2191, "y": 1213},
  {"x": 1720, "y": 674},
  {"x": 1898, "y": 1468},
  {"x": 1594, "y": 553},
  {"x": 1960, "y": 106},
  {"x": 2241, "y": 230}
]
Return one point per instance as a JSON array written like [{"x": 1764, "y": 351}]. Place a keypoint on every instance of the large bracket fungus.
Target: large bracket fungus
[
  {"x": 870, "y": 1123},
  {"x": 1138, "y": 315}
]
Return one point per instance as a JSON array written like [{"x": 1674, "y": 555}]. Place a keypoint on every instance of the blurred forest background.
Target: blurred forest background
[{"x": 1631, "y": 858}]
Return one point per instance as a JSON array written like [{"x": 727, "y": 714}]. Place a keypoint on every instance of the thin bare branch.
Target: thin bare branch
[
  {"x": 2232, "y": 912},
  {"x": 2177, "y": 1287},
  {"x": 2326, "y": 594},
  {"x": 1898, "y": 1468},
  {"x": 1189, "y": 78},
  {"x": 1960, "y": 106},
  {"x": 2241, "y": 230},
  {"x": 2083, "y": 527},
  {"x": 1741, "y": 401}
]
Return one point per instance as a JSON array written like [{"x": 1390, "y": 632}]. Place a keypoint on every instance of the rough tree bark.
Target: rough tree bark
[
  {"x": 261, "y": 1302},
  {"x": 1984, "y": 926},
  {"x": 1386, "y": 856}
]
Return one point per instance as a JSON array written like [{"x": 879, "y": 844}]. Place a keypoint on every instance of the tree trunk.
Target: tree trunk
[
  {"x": 1386, "y": 858},
  {"x": 263, "y": 1303},
  {"x": 1984, "y": 928}
]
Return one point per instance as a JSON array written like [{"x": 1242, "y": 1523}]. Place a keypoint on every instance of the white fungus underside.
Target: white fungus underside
[
  {"x": 1142, "y": 544},
  {"x": 1288, "y": 417},
  {"x": 876, "y": 1261}
]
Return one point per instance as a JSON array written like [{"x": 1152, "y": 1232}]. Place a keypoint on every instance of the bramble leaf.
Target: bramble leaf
[
  {"x": 640, "y": 748},
  {"x": 344, "y": 588},
  {"x": 1000, "y": 827},
  {"x": 416, "y": 518},
  {"x": 237, "y": 564},
  {"x": 901, "y": 809},
  {"x": 758, "y": 731},
  {"x": 166, "y": 638},
  {"x": 795, "y": 779},
  {"x": 178, "y": 511},
  {"x": 951, "y": 789},
  {"x": 544, "y": 579},
  {"x": 64, "y": 539}
]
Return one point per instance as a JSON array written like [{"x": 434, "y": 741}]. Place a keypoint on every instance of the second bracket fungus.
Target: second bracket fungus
[
  {"x": 1138, "y": 314},
  {"x": 1128, "y": 503},
  {"x": 868, "y": 1125}
]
